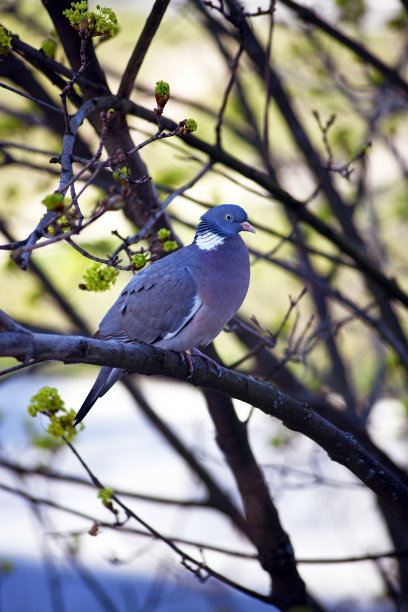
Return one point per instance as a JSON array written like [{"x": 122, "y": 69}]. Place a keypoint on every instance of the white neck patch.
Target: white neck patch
[{"x": 209, "y": 241}]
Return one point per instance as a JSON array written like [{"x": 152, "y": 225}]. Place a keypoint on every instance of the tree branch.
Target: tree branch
[
  {"x": 150, "y": 28},
  {"x": 275, "y": 550},
  {"x": 145, "y": 359},
  {"x": 310, "y": 16}
]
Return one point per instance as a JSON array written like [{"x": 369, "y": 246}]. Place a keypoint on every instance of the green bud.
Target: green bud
[
  {"x": 98, "y": 278},
  {"x": 163, "y": 234},
  {"x": 105, "y": 495},
  {"x": 53, "y": 201},
  {"x": 103, "y": 24},
  {"x": 191, "y": 125},
  {"x": 170, "y": 245},
  {"x": 62, "y": 425},
  {"x": 162, "y": 88},
  {"x": 49, "y": 47},
  {"x": 60, "y": 225},
  {"x": 162, "y": 93},
  {"x": 139, "y": 261},
  {"x": 46, "y": 401}
]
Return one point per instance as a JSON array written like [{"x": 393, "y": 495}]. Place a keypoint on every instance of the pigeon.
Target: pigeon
[{"x": 183, "y": 300}]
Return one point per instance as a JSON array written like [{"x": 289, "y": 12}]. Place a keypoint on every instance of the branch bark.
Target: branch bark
[
  {"x": 150, "y": 28},
  {"x": 341, "y": 446},
  {"x": 274, "y": 548}
]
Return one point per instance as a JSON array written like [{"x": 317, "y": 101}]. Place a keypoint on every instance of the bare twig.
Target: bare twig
[
  {"x": 392, "y": 554},
  {"x": 84, "y": 34},
  {"x": 234, "y": 68},
  {"x": 199, "y": 569},
  {"x": 36, "y": 100}
]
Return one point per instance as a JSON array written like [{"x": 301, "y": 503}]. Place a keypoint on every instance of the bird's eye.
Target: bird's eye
[{"x": 228, "y": 217}]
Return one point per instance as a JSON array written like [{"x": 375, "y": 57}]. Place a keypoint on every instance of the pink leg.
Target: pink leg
[
  {"x": 194, "y": 351},
  {"x": 211, "y": 362},
  {"x": 187, "y": 357}
]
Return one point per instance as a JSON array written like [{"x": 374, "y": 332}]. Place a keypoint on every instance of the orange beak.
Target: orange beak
[{"x": 247, "y": 227}]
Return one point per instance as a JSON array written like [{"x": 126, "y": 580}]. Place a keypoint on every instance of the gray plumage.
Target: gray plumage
[{"x": 183, "y": 300}]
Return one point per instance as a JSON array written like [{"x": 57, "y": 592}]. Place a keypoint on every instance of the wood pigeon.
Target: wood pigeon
[{"x": 183, "y": 300}]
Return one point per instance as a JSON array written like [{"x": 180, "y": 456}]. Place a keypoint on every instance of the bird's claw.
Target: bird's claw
[
  {"x": 208, "y": 359},
  {"x": 189, "y": 358}
]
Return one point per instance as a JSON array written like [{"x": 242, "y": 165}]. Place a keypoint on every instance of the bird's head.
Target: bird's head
[{"x": 223, "y": 221}]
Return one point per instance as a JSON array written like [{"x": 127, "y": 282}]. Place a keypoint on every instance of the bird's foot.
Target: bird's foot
[
  {"x": 208, "y": 359},
  {"x": 189, "y": 358}
]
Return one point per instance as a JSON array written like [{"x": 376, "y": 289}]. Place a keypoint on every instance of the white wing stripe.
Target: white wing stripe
[{"x": 197, "y": 304}]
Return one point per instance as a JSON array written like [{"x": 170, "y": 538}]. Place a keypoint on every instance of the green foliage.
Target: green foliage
[
  {"x": 162, "y": 93},
  {"x": 63, "y": 425},
  {"x": 48, "y": 401},
  {"x": 104, "y": 23},
  {"x": 170, "y": 245},
  {"x": 105, "y": 495},
  {"x": 376, "y": 77},
  {"x": 162, "y": 89},
  {"x": 49, "y": 47},
  {"x": 53, "y": 201},
  {"x": 5, "y": 41},
  {"x": 62, "y": 225},
  {"x": 99, "y": 278},
  {"x": 191, "y": 125},
  {"x": 163, "y": 234},
  {"x": 139, "y": 261}
]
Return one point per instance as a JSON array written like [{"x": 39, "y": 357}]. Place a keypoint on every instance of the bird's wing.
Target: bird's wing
[{"x": 157, "y": 303}]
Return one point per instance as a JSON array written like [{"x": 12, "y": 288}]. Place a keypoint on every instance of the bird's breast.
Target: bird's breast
[{"x": 223, "y": 275}]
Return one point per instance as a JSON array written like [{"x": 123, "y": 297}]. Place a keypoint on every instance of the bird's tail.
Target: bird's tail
[{"x": 105, "y": 380}]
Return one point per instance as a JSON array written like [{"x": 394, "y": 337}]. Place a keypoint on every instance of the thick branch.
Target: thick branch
[
  {"x": 340, "y": 446},
  {"x": 150, "y": 28},
  {"x": 275, "y": 551}
]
